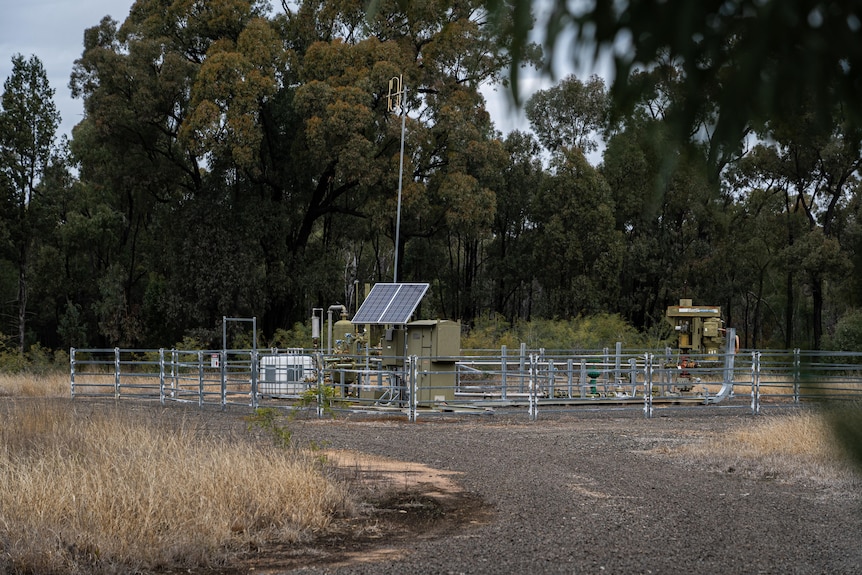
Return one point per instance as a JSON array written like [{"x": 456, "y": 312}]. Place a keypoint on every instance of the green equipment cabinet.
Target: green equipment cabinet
[{"x": 437, "y": 344}]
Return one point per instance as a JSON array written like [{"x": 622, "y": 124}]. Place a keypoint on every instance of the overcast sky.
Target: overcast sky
[{"x": 53, "y": 30}]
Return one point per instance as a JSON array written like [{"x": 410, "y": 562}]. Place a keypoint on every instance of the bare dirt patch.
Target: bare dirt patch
[{"x": 399, "y": 502}]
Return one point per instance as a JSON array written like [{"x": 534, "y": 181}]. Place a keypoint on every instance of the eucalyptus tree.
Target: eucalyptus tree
[
  {"x": 442, "y": 52},
  {"x": 749, "y": 255},
  {"x": 55, "y": 320},
  {"x": 137, "y": 83},
  {"x": 851, "y": 238},
  {"x": 265, "y": 145},
  {"x": 511, "y": 265},
  {"x": 577, "y": 248},
  {"x": 470, "y": 187},
  {"x": 814, "y": 169},
  {"x": 666, "y": 205},
  {"x": 28, "y": 126},
  {"x": 574, "y": 242},
  {"x": 571, "y": 114},
  {"x": 751, "y": 61},
  {"x": 742, "y": 64}
]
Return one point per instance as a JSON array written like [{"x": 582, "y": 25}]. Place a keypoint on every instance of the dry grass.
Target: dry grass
[
  {"x": 791, "y": 447},
  {"x": 32, "y": 385},
  {"x": 111, "y": 493}
]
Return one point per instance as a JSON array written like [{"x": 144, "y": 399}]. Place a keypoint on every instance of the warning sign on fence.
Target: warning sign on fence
[{"x": 214, "y": 360}]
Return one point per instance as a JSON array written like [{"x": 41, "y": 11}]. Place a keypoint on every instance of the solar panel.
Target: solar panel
[{"x": 390, "y": 304}]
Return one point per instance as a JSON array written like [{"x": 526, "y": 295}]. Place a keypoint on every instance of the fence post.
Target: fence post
[
  {"x": 552, "y": 377},
  {"x": 730, "y": 358},
  {"x": 320, "y": 394},
  {"x": 533, "y": 384},
  {"x": 796, "y": 374},
  {"x": 605, "y": 370},
  {"x": 162, "y": 376},
  {"x": 411, "y": 366},
  {"x": 223, "y": 374},
  {"x": 116, "y": 373},
  {"x": 175, "y": 373},
  {"x": 72, "y": 371},
  {"x": 648, "y": 385},
  {"x": 570, "y": 367},
  {"x": 254, "y": 368},
  {"x": 200, "y": 378},
  {"x": 618, "y": 363},
  {"x": 583, "y": 378},
  {"x": 521, "y": 366},
  {"x": 503, "y": 369},
  {"x": 759, "y": 373},
  {"x": 755, "y": 383}
]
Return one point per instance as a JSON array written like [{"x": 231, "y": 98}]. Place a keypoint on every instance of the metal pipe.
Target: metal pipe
[{"x": 729, "y": 360}]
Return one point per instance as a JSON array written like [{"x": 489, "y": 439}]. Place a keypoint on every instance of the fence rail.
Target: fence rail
[{"x": 479, "y": 381}]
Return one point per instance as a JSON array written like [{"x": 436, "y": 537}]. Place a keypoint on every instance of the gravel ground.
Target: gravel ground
[
  {"x": 585, "y": 493},
  {"x": 580, "y": 492}
]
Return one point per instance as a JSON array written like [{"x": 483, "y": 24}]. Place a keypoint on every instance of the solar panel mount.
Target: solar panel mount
[{"x": 390, "y": 303}]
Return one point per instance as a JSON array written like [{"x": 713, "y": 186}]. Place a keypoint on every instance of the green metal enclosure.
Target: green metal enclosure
[{"x": 437, "y": 344}]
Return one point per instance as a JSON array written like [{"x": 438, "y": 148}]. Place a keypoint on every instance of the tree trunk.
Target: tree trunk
[
  {"x": 758, "y": 312},
  {"x": 22, "y": 307},
  {"x": 788, "y": 313},
  {"x": 817, "y": 312}
]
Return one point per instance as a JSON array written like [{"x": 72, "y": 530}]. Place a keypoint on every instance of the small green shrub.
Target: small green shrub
[
  {"x": 589, "y": 332},
  {"x": 299, "y": 336},
  {"x": 323, "y": 395},
  {"x": 266, "y": 419},
  {"x": 490, "y": 332},
  {"x": 36, "y": 360},
  {"x": 848, "y": 333},
  {"x": 191, "y": 343}
]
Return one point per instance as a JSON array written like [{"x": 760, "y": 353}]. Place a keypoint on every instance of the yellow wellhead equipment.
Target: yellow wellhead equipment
[{"x": 698, "y": 328}]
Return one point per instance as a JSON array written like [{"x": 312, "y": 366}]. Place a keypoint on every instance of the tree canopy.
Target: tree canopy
[
  {"x": 747, "y": 61},
  {"x": 28, "y": 126},
  {"x": 238, "y": 161}
]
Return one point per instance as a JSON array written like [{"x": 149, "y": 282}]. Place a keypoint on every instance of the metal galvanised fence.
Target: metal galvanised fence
[
  {"x": 201, "y": 376},
  {"x": 478, "y": 381}
]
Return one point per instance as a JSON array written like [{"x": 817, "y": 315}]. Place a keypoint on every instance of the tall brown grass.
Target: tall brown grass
[
  {"x": 108, "y": 491},
  {"x": 799, "y": 446},
  {"x": 35, "y": 385}
]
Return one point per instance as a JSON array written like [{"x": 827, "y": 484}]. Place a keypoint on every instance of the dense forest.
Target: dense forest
[{"x": 235, "y": 160}]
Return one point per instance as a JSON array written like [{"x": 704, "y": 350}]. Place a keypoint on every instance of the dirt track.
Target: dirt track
[{"x": 589, "y": 493}]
